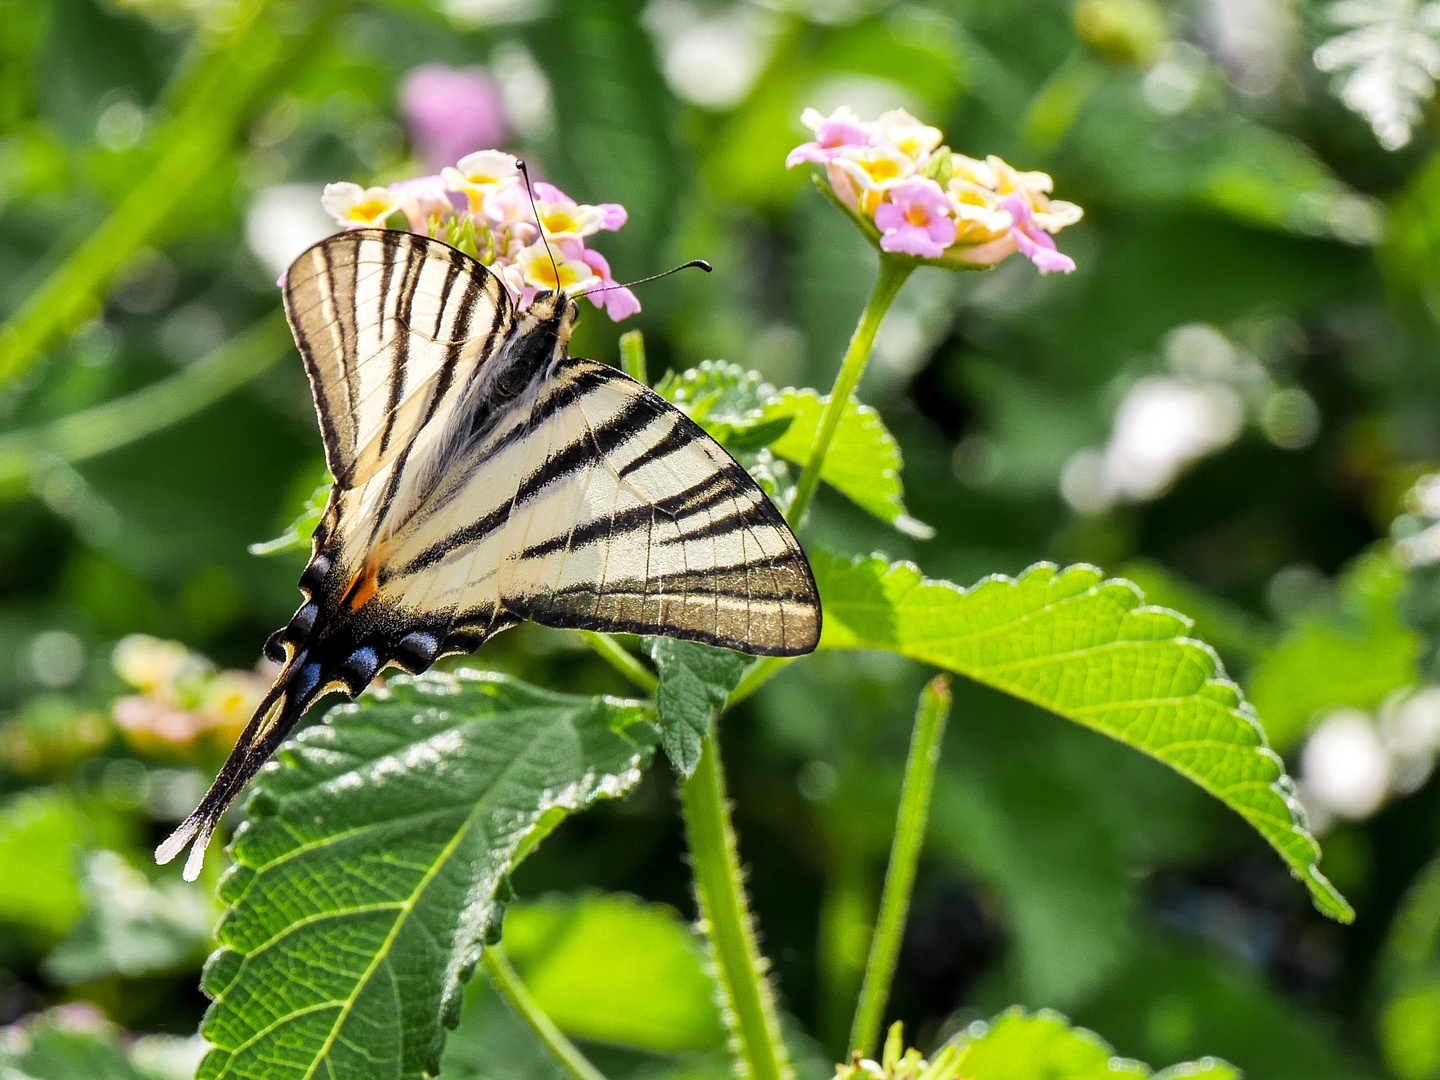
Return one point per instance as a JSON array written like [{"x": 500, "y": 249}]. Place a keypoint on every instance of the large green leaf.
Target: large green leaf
[
  {"x": 374, "y": 861},
  {"x": 695, "y": 680},
  {"x": 1090, "y": 650},
  {"x": 1043, "y": 1046},
  {"x": 612, "y": 969}
]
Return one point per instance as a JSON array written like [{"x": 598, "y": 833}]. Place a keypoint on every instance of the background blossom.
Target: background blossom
[{"x": 451, "y": 110}]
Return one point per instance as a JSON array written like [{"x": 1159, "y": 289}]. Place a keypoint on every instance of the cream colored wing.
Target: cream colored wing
[
  {"x": 392, "y": 326},
  {"x": 604, "y": 507}
]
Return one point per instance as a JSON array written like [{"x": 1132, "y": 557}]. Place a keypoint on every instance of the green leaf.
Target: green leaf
[
  {"x": 864, "y": 460},
  {"x": 695, "y": 680},
  {"x": 367, "y": 876},
  {"x": 1355, "y": 653},
  {"x": 612, "y": 969},
  {"x": 1043, "y": 1046},
  {"x": 744, "y": 414},
  {"x": 132, "y": 928},
  {"x": 297, "y": 534},
  {"x": 1087, "y": 649},
  {"x": 719, "y": 395},
  {"x": 1234, "y": 632}
]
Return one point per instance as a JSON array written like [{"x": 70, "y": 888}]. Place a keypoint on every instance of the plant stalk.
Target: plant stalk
[
  {"x": 622, "y": 660},
  {"x": 749, "y": 1005},
  {"x": 893, "y": 272},
  {"x": 910, "y": 822},
  {"x": 507, "y": 980},
  {"x": 632, "y": 356}
]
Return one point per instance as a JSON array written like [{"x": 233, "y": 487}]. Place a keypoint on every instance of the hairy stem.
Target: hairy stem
[
  {"x": 214, "y": 96},
  {"x": 125, "y": 420},
  {"x": 910, "y": 823},
  {"x": 507, "y": 980},
  {"x": 893, "y": 272},
  {"x": 622, "y": 660},
  {"x": 749, "y": 1004}
]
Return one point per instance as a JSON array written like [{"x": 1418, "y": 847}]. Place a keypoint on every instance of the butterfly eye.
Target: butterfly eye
[{"x": 573, "y": 312}]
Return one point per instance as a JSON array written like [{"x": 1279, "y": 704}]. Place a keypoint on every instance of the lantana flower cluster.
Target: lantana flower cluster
[
  {"x": 185, "y": 708},
  {"x": 928, "y": 201},
  {"x": 480, "y": 206}
]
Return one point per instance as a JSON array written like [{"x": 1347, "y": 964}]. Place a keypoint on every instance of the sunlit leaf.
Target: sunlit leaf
[
  {"x": 1088, "y": 649},
  {"x": 695, "y": 680},
  {"x": 367, "y": 875},
  {"x": 1233, "y": 631},
  {"x": 612, "y": 969},
  {"x": 1043, "y": 1046}
]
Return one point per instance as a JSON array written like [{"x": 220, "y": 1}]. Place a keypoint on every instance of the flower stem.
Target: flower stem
[
  {"x": 632, "y": 356},
  {"x": 507, "y": 980},
  {"x": 749, "y": 1001},
  {"x": 620, "y": 658},
  {"x": 98, "y": 430},
  {"x": 893, "y": 272},
  {"x": 910, "y": 823}
]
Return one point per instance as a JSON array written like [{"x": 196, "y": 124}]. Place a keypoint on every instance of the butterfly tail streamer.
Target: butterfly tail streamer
[{"x": 277, "y": 714}]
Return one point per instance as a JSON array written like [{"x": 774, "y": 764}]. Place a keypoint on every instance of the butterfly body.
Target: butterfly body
[{"x": 483, "y": 477}]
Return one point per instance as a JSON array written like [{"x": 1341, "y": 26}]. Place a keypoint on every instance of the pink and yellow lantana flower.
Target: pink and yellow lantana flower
[
  {"x": 926, "y": 201},
  {"x": 480, "y": 205}
]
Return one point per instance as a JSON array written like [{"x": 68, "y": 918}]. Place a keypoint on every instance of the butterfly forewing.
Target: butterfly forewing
[{"x": 392, "y": 327}]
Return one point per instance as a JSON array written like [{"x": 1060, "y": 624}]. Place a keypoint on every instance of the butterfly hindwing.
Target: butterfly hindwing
[
  {"x": 666, "y": 533},
  {"x": 614, "y": 512}
]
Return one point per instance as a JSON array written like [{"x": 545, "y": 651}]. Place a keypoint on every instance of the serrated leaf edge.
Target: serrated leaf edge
[{"x": 1326, "y": 896}]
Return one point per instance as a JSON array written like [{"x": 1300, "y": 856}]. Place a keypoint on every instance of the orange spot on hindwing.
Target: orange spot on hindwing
[{"x": 364, "y": 584}]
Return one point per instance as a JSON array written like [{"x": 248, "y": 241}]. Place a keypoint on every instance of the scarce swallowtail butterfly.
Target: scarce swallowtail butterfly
[{"x": 483, "y": 476}]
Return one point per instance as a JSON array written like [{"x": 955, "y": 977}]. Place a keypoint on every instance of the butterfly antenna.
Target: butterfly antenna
[
  {"x": 701, "y": 263},
  {"x": 525, "y": 172}
]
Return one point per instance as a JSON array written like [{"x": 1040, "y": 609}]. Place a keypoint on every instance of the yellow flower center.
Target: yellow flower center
[
  {"x": 881, "y": 169},
  {"x": 543, "y": 273},
  {"x": 558, "y": 221},
  {"x": 368, "y": 211},
  {"x": 917, "y": 215}
]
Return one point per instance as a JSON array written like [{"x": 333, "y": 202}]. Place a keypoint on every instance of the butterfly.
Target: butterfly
[{"x": 483, "y": 476}]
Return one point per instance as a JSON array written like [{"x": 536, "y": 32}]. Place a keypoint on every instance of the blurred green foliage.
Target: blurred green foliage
[{"x": 1226, "y": 190}]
